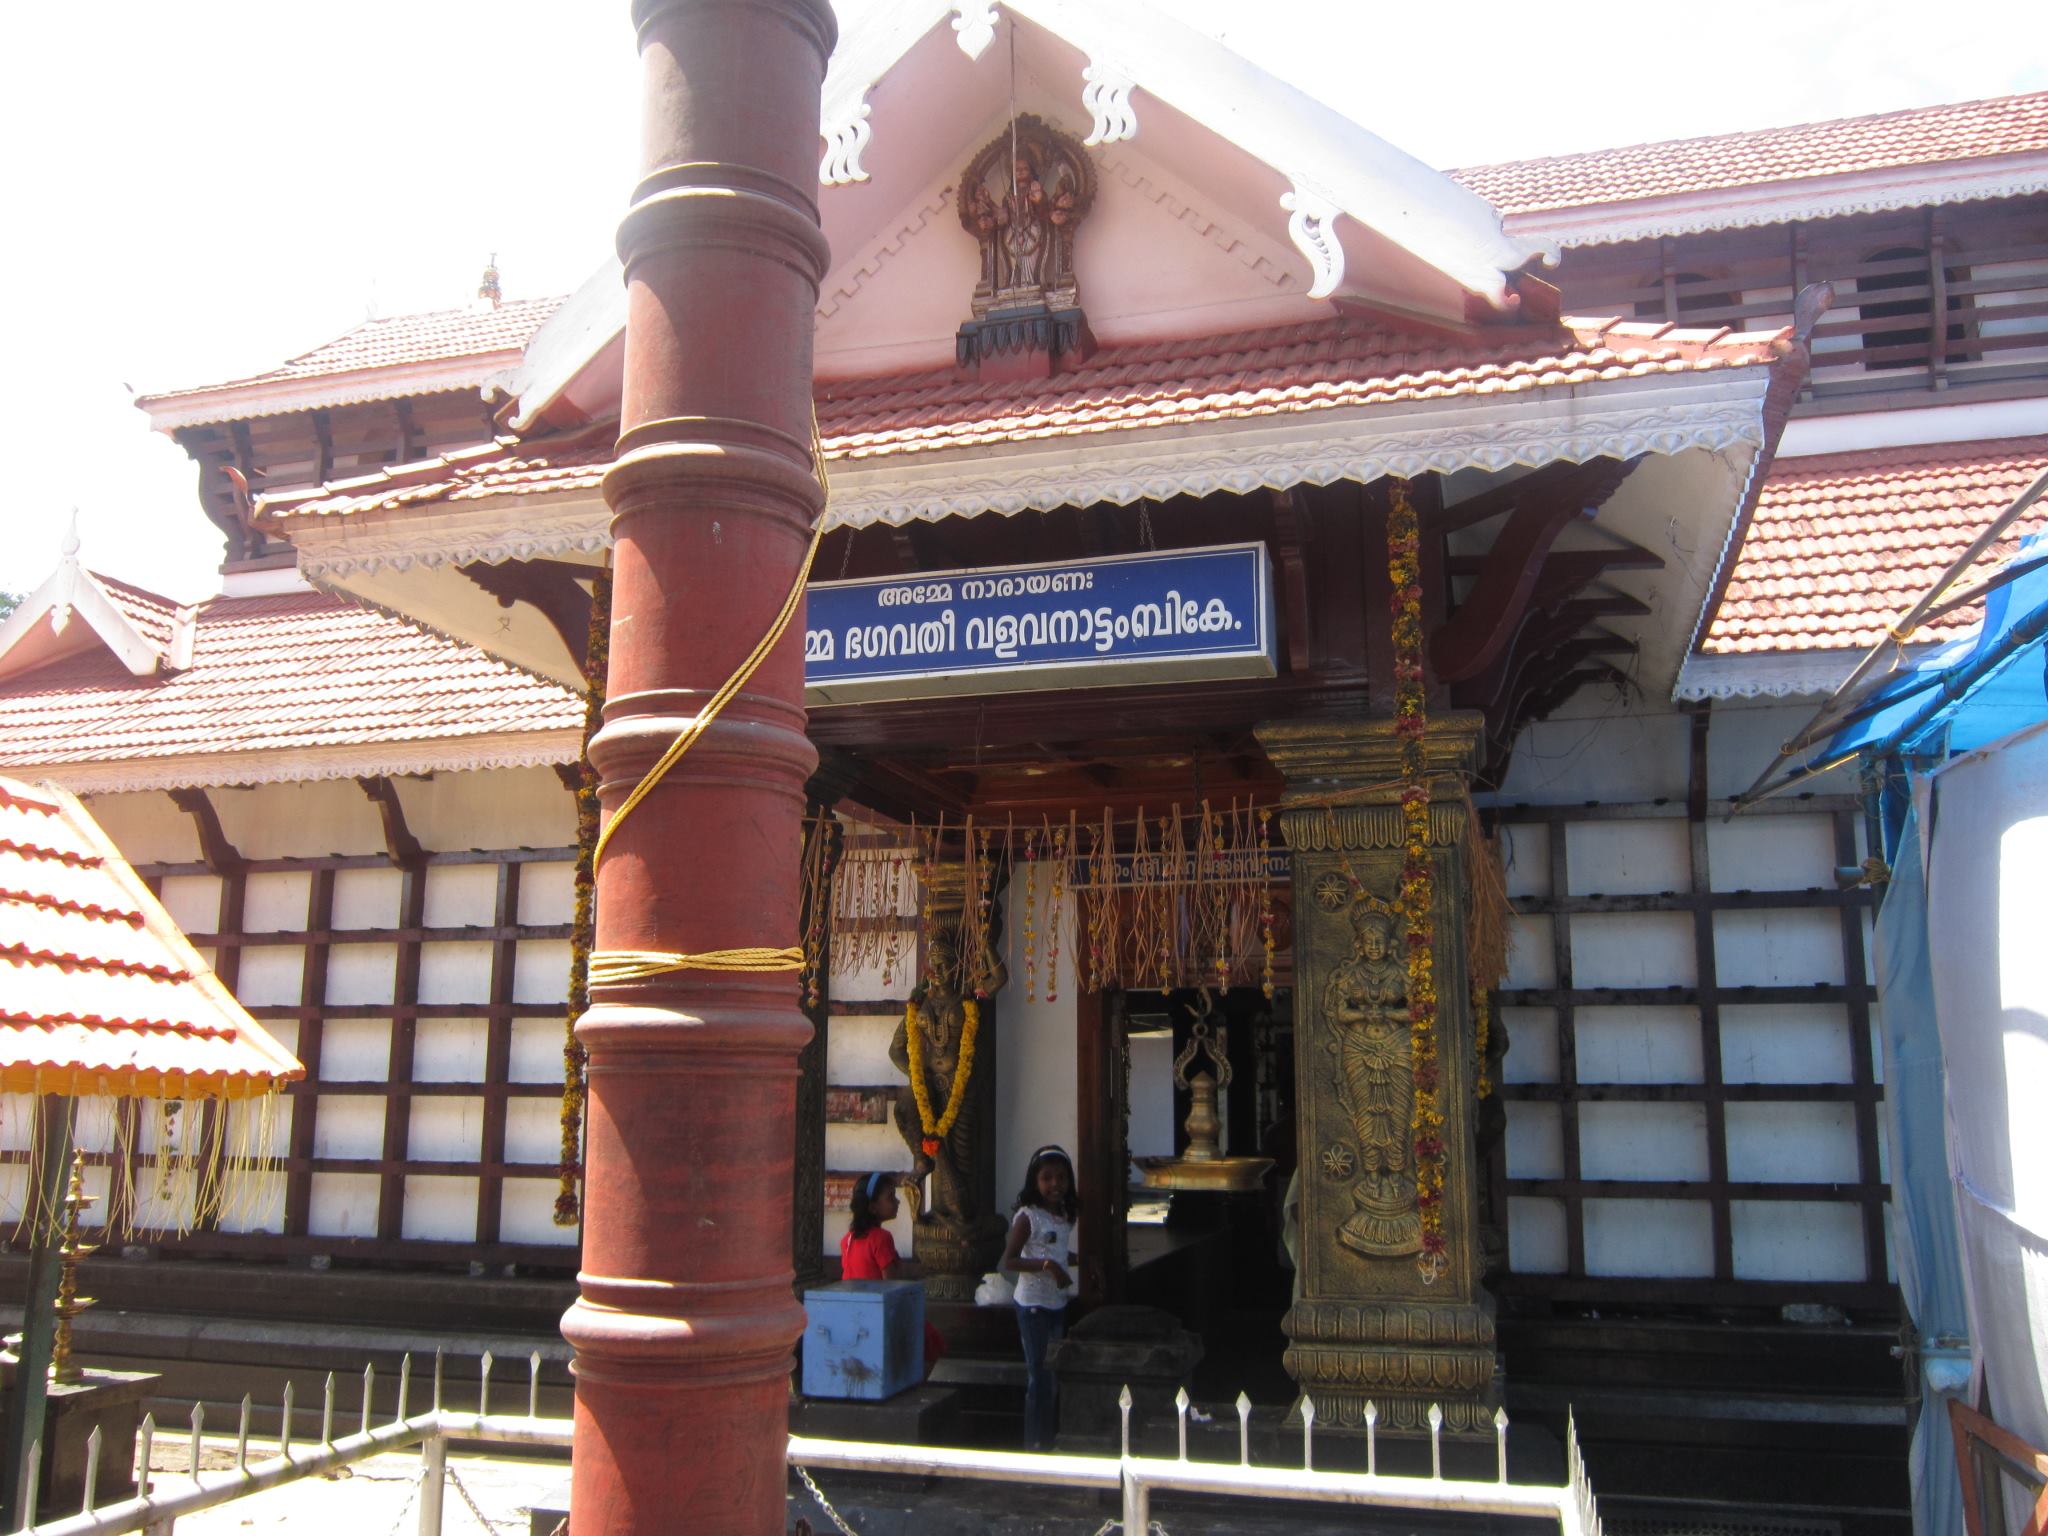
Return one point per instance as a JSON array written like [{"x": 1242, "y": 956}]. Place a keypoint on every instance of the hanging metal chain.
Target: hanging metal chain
[
  {"x": 482, "y": 1519},
  {"x": 411, "y": 1492},
  {"x": 826, "y": 1504}
]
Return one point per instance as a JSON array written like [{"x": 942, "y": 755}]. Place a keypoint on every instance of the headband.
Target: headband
[
  {"x": 1053, "y": 1149},
  {"x": 874, "y": 1180}
]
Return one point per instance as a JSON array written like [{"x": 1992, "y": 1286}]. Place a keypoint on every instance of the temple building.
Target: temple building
[{"x": 1287, "y": 627}]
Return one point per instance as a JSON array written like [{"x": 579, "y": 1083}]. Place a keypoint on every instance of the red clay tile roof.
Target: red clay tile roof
[
  {"x": 1964, "y": 130},
  {"x": 156, "y": 617},
  {"x": 1317, "y": 366},
  {"x": 401, "y": 341},
  {"x": 1843, "y": 544},
  {"x": 299, "y": 670},
  {"x": 99, "y": 991}
]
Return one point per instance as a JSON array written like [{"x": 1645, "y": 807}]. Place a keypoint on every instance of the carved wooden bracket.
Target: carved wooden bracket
[
  {"x": 555, "y": 587},
  {"x": 1493, "y": 610},
  {"x": 1292, "y": 531},
  {"x": 400, "y": 845},
  {"x": 221, "y": 856}
]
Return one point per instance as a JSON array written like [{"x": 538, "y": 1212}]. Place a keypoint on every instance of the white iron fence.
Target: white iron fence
[{"x": 1138, "y": 1478}]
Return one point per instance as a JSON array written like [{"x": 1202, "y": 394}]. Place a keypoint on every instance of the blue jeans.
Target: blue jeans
[{"x": 1039, "y": 1327}]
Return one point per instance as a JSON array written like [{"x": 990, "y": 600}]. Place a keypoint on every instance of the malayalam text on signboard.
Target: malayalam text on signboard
[{"x": 1178, "y": 616}]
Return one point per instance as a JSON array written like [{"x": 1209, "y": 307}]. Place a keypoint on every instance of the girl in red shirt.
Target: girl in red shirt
[{"x": 868, "y": 1252}]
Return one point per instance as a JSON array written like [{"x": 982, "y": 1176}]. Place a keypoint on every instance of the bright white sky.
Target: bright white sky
[{"x": 198, "y": 191}]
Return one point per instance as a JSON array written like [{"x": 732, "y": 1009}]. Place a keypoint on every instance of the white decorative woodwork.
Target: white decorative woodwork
[
  {"x": 845, "y": 142},
  {"x": 1107, "y": 96},
  {"x": 1311, "y": 225},
  {"x": 975, "y": 25}
]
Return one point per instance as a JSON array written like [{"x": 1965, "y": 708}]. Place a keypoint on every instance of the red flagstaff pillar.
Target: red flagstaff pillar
[{"x": 685, "y": 1323}]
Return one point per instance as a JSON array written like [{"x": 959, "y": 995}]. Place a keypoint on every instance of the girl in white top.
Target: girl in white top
[{"x": 1040, "y": 1254}]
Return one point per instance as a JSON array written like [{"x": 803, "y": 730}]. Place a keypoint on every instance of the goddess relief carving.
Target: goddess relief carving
[
  {"x": 1022, "y": 198},
  {"x": 1365, "y": 1005}
]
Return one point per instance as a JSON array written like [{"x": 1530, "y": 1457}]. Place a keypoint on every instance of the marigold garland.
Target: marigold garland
[
  {"x": 956, "y": 1092},
  {"x": 1418, "y": 886},
  {"x": 583, "y": 928}
]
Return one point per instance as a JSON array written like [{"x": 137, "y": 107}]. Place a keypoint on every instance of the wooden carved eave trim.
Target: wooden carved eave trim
[
  {"x": 1621, "y": 420},
  {"x": 300, "y": 765}
]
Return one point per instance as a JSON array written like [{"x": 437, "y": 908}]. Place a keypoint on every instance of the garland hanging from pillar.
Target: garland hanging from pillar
[
  {"x": 583, "y": 929},
  {"x": 1418, "y": 885}
]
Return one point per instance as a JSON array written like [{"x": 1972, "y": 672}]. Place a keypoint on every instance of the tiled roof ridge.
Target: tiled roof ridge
[
  {"x": 407, "y": 341},
  {"x": 182, "y": 1028},
  {"x": 1987, "y": 141},
  {"x": 1903, "y": 454},
  {"x": 22, "y": 954},
  {"x": 13, "y": 801},
  {"x": 128, "y": 589},
  {"x": 39, "y": 851},
  {"x": 1693, "y": 141},
  {"x": 68, "y": 908},
  {"x": 415, "y": 318}
]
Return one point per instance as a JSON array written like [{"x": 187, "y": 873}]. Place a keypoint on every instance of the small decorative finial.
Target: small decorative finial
[
  {"x": 490, "y": 288},
  {"x": 69, "y": 548}
]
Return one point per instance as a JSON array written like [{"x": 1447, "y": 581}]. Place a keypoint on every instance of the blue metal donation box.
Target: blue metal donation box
[{"x": 863, "y": 1338}]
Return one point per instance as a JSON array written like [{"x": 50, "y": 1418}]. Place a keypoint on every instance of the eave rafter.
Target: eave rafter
[{"x": 1532, "y": 628}]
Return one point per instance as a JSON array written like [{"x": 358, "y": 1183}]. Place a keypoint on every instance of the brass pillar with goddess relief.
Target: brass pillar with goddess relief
[
  {"x": 950, "y": 1127},
  {"x": 1390, "y": 1309}
]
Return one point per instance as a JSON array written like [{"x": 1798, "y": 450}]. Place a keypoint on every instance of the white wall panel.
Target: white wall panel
[
  {"x": 1537, "y": 1244},
  {"x": 455, "y": 973},
  {"x": 361, "y": 973},
  {"x": 343, "y": 1205},
  {"x": 1525, "y": 856},
  {"x": 193, "y": 901},
  {"x": 446, "y": 1129},
  {"x": 1672, "y": 1239},
  {"x": 1532, "y": 957},
  {"x": 348, "y": 1125},
  {"x": 367, "y": 898},
  {"x": 1629, "y": 858},
  {"x": 1535, "y": 1141},
  {"x": 1639, "y": 1045},
  {"x": 1797, "y": 1240},
  {"x": 1785, "y": 1043},
  {"x": 1633, "y": 949},
  {"x": 533, "y": 1130},
  {"x": 147, "y": 827},
  {"x": 449, "y": 1050},
  {"x": 857, "y": 1050},
  {"x": 270, "y": 974},
  {"x": 1778, "y": 949},
  {"x": 537, "y": 1050},
  {"x": 440, "y": 1208},
  {"x": 526, "y": 1213},
  {"x": 1771, "y": 853},
  {"x": 1532, "y": 1045},
  {"x": 547, "y": 893},
  {"x": 355, "y": 1050},
  {"x": 540, "y": 971},
  {"x": 502, "y": 808},
  {"x": 1792, "y": 1144},
  {"x": 864, "y": 1148},
  {"x": 1642, "y": 1141},
  {"x": 276, "y": 901},
  {"x": 461, "y": 895}
]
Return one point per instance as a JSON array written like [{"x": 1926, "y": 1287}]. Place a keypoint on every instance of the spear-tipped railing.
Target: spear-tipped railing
[{"x": 155, "y": 1506}]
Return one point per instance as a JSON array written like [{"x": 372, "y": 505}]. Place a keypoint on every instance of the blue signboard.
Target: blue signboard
[{"x": 1179, "y": 616}]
